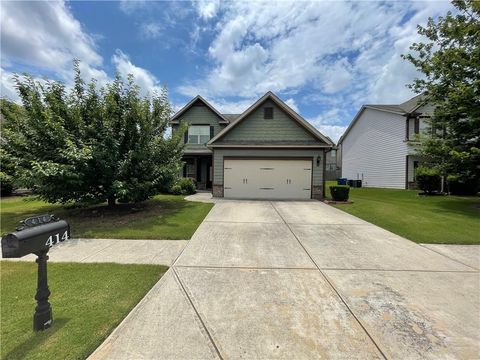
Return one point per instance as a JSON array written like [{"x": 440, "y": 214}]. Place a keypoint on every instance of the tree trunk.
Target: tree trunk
[{"x": 111, "y": 201}]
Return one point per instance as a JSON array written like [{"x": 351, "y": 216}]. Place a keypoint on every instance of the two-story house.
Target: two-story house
[
  {"x": 267, "y": 152},
  {"x": 376, "y": 147}
]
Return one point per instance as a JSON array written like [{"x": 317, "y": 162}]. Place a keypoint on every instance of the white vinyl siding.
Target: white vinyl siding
[{"x": 375, "y": 150}]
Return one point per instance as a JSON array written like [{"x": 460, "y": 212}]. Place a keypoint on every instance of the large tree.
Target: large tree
[
  {"x": 88, "y": 144},
  {"x": 450, "y": 63}
]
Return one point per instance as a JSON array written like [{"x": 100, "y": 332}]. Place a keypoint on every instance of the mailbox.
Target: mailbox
[
  {"x": 36, "y": 235},
  {"x": 33, "y": 240}
]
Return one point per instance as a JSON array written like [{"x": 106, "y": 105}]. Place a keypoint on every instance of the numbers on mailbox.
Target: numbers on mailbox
[{"x": 55, "y": 239}]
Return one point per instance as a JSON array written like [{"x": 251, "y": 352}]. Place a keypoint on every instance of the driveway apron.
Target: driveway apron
[{"x": 302, "y": 280}]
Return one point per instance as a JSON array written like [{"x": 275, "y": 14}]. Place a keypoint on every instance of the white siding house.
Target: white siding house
[{"x": 375, "y": 147}]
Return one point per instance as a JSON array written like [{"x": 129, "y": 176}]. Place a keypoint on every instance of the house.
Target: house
[
  {"x": 376, "y": 149},
  {"x": 267, "y": 152}
]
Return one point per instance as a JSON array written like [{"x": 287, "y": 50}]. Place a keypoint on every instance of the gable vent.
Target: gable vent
[{"x": 268, "y": 112}]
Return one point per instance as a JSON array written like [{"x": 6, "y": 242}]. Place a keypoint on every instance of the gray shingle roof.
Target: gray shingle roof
[{"x": 231, "y": 117}]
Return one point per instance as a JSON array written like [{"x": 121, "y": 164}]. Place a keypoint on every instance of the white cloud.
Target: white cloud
[
  {"x": 147, "y": 81},
  {"x": 130, "y": 6},
  {"x": 291, "y": 102},
  {"x": 46, "y": 37},
  {"x": 7, "y": 86},
  {"x": 207, "y": 9},
  {"x": 150, "y": 30},
  {"x": 44, "y": 34},
  {"x": 343, "y": 53}
]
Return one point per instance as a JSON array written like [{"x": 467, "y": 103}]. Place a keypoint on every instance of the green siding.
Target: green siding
[
  {"x": 256, "y": 129},
  {"x": 200, "y": 115},
  {"x": 219, "y": 154}
]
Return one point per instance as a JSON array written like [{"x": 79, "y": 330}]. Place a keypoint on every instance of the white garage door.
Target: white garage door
[{"x": 267, "y": 179}]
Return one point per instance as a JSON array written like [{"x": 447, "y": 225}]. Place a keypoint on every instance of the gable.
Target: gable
[
  {"x": 281, "y": 130},
  {"x": 198, "y": 113}
]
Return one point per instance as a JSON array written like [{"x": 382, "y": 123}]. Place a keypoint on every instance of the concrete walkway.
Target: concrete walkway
[
  {"x": 303, "y": 280},
  {"x": 159, "y": 252}
]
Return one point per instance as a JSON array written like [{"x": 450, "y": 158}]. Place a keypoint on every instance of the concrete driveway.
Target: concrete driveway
[{"x": 303, "y": 280}]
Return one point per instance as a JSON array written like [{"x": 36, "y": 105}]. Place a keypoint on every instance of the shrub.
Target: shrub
[
  {"x": 339, "y": 192},
  {"x": 176, "y": 190},
  {"x": 6, "y": 184},
  {"x": 459, "y": 186},
  {"x": 428, "y": 179},
  {"x": 184, "y": 186}
]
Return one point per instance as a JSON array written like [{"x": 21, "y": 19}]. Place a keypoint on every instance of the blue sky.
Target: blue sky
[{"x": 324, "y": 58}]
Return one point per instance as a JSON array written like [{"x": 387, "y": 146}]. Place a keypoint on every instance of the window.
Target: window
[
  {"x": 268, "y": 113},
  {"x": 198, "y": 134},
  {"x": 333, "y": 153}
]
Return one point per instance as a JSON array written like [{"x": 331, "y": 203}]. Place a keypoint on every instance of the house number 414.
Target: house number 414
[{"x": 55, "y": 239}]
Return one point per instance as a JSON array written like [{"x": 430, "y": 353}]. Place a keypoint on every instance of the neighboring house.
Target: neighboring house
[
  {"x": 267, "y": 152},
  {"x": 375, "y": 147}
]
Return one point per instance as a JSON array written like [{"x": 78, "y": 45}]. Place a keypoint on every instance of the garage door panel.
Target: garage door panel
[{"x": 267, "y": 179}]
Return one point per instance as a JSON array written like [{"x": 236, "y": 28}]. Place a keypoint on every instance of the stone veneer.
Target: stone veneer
[
  {"x": 317, "y": 192},
  {"x": 217, "y": 190}
]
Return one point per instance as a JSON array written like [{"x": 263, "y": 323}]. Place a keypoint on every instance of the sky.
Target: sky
[{"x": 323, "y": 58}]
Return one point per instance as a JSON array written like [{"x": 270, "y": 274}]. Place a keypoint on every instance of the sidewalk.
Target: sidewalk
[{"x": 158, "y": 252}]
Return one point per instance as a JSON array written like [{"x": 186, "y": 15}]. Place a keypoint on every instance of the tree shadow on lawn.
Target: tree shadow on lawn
[
  {"x": 468, "y": 206},
  {"x": 36, "y": 339}
]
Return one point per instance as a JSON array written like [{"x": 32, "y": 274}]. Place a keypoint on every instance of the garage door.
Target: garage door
[{"x": 267, "y": 179}]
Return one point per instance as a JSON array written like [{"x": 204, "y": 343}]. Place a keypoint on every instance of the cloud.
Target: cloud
[
  {"x": 45, "y": 37},
  {"x": 44, "y": 34},
  {"x": 328, "y": 55},
  {"x": 207, "y": 9},
  {"x": 148, "y": 83},
  {"x": 7, "y": 86},
  {"x": 130, "y": 6},
  {"x": 151, "y": 30}
]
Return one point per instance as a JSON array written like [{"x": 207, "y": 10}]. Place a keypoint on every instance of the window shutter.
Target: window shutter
[
  {"x": 417, "y": 125},
  {"x": 211, "y": 131},
  {"x": 185, "y": 136}
]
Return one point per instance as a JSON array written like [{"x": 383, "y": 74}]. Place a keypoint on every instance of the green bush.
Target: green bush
[
  {"x": 459, "y": 186},
  {"x": 428, "y": 179},
  {"x": 184, "y": 186},
  {"x": 6, "y": 184},
  {"x": 340, "y": 192}
]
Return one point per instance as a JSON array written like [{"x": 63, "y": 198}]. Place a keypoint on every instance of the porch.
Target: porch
[{"x": 199, "y": 167}]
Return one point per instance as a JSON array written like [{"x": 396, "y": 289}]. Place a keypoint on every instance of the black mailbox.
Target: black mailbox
[
  {"x": 34, "y": 239},
  {"x": 37, "y": 235}
]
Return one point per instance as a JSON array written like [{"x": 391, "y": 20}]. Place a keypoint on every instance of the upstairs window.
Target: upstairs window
[
  {"x": 198, "y": 134},
  {"x": 268, "y": 113}
]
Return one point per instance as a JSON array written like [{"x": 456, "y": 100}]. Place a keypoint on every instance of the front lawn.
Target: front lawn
[
  {"x": 423, "y": 219},
  {"x": 163, "y": 217},
  {"x": 88, "y": 302}
]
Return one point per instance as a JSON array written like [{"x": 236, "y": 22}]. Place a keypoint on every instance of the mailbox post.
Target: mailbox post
[{"x": 36, "y": 235}]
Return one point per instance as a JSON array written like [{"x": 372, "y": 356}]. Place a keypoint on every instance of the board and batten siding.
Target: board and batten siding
[
  {"x": 255, "y": 128},
  {"x": 220, "y": 154},
  {"x": 375, "y": 150}
]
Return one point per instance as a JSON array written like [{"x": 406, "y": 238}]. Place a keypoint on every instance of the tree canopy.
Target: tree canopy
[
  {"x": 90, "y": 144},
  {"x": 450, "y": 63}
]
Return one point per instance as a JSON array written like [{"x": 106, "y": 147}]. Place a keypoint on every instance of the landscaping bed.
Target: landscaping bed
[
  {"x": 166, "y": 217},
  {"x": 88, "y": 302},
  {"x": 423, "y": 219}
]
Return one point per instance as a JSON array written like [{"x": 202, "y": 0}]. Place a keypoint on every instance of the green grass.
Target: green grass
[
  {"x": 163, "y": 217},
  {"x": 423, "y": 219},
  {"x": 88, "y": 302}
]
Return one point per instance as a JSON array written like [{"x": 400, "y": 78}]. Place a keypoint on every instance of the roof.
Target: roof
[
  {"x": 403, "y": 109},
  {"x": 231, "y": 117},
  {"x": 192, "y": 102},
  {"x": 270, "y": 95}
]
